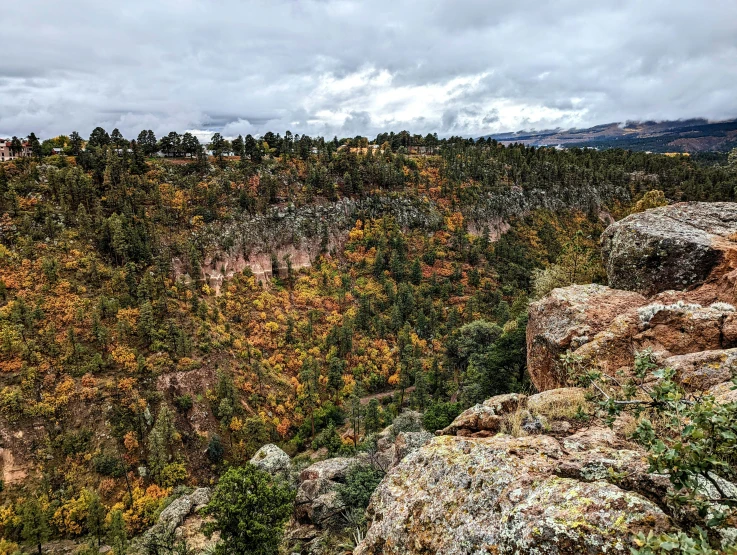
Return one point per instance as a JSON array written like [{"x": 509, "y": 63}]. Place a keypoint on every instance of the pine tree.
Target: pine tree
[
  {"x": 160, "y": 441},
  {"x": 419, "y": 395},
  {"x": 249, "y": 508},
  {"x": 96, "y": 518},
  {"x": 146, "y": 322},
  {"x": 372, "y": 421},
  {"x": 415, "y": 275},
  {"x": 335, "y": 376},
  {"x": 35, "y": 529},
  {"x": 116, "y": 536}
]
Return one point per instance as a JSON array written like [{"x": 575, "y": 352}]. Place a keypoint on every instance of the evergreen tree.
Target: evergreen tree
[
  {"x": 35, "y": 530},
  {"x": 116, "y": 536},
  {"x": 372, "y": 421},
  {"x": 98, "y": 138},
  {"x": 96, "y": 518},
  {"x": 146, "y": 322},
  {"x": 420, "y": 395},
  {"x": 75, "y": 143},
  {"x": 160, "y": 441},
  {"x": 415, "y": 274},
  {"x": 335, "y": 376},
  {"x": 249, "y": 507},
  {"x": 35, "y": 145}
]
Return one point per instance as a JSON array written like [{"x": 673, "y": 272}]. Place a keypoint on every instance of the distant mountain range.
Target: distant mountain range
[{"x": 692, "y": 135}]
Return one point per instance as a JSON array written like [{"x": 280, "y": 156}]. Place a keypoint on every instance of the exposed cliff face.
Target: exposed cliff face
[
  {"x": 677, "y": 270},
  {"x": 302, "y": 233}
]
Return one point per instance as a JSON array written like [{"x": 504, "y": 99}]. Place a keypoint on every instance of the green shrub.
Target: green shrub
[
  {"x": 249, "y": 507},
  {"x": 215, "y": 450},
  {"x": 183, "y": 403},
  {"x": 440, "y": 414},
  {"x": 360, "y": 483},
  {"x": 694, "y": 443},
  {"x": 108, "y": 465}
]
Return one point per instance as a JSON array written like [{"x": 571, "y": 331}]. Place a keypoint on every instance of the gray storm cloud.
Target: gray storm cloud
[{"x": 347, "y": 67}]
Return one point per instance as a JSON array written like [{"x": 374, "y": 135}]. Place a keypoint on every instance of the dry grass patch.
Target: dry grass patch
[{"x": 560, "y": 404}]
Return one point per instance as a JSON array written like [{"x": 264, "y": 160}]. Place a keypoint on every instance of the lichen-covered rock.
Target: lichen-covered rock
[
  {"x": 668, "y": 330},
  {"x": 681, "y": 328},
  {"x": 504, "y": 404},
  {"x": 485, "y": 418},
  {"x": 174, "y": 515},
  {"x": 317, "y": 500},
  {"x": 672, "y": 247},
  {"x": 566, "y": 319},
  {"x": 567, "y": 516},
  {"x": 557, "y": 403},
  {"x": 325, "y": 509},
  {"x": 272, "y": 459},
  {"x": 409, "y": 442},
  {"x": 704, "y": 370},
  {"x": 461, "y": 496}
]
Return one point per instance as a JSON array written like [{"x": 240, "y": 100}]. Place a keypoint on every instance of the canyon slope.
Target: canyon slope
[{"x": 543, "y": 474}]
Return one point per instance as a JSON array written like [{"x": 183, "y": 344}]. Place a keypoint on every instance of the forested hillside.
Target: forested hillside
[{"x": 162, "y": 318}]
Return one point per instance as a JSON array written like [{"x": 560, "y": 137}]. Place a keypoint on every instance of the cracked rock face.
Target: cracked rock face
[
  {"x": 568, "y": 318},
  {"x": 531, "y": 495},
  {"x": 670, "y": 248},
  {"x": 684, "y": 257}
]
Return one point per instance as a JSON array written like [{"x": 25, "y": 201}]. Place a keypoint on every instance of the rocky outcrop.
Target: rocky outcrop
[
  {"x": 174, "y": 516},
  {"x": 484, "y": 419},
  {"x": 536, "y": 474},
  {"x": 568, "y": 318},
  {"x": 273, "y": 460},
  {"x": 685, "y": 258},
  {"x": 406, "y": 443},
  {"x": 549, "y": 411},
  {"x": 534, "y": 494},
  {"x": 705, "y": 370},
  {"x": 671, "y": 248},
  {"x": 317, "y": 499},
  {"x": 300, "y": 233},
  {"x": 318, "y": 504}
]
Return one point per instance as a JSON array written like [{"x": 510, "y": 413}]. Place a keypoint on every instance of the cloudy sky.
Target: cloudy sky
[{"x": 330, "y": 67}]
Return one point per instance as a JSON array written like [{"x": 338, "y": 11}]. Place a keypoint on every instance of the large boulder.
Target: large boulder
[
  {"x": 568, "y": 318},
  {"x": 682, "y": 328},
  {"x": 459, "y": 496},
  {"x": 485, "y": 419},
  {"x": 273, "y": 460},
  {"x": 312, "y": 497},
  {"x": 674, "y": 247},
  {"x": 669, "y": 330},
  {"x": 317, "y": 499}
]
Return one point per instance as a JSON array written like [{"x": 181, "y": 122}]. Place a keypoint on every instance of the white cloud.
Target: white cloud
[{"x": 349, "y": 67}]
